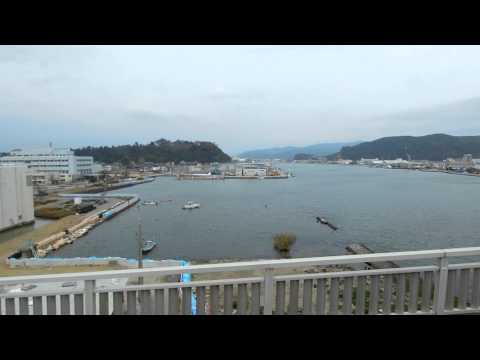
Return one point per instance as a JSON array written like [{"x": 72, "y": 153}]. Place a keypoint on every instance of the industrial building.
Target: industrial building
[
  {"x": 51, "y": 164},
  {"x": 16, "y": 197}
]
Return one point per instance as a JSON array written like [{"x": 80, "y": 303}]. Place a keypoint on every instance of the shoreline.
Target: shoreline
[{"x": 53, "y": 236}]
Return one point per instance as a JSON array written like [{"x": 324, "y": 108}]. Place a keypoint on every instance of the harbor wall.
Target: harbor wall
[
  {"x": 58, "y": 239},
  {"x": 117, "y": 186}
]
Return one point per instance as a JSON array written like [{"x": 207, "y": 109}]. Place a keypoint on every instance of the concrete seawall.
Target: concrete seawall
[{"x": 90, "y": 261}]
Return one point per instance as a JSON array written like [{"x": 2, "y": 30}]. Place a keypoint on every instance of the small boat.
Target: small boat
[
  {"x": 148, "y": 245},
  {"x": 322, "y": 220},
  {"x": 191, "y": 205},
  {"x": 326, "y": 222},
  {"x": 150, "y": 203}
]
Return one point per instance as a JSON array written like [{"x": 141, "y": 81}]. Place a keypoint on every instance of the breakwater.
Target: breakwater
[{"x": 112, "y": 187}]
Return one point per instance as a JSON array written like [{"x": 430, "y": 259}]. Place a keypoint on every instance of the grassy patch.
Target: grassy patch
[
  {"x": 53, "y": 213},
  {"x": 284, "y": 241},
  {"x": 39, "y": 202}
]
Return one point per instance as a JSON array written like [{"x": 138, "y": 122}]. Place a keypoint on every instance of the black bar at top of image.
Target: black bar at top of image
[{"x": 161, "y": 26}]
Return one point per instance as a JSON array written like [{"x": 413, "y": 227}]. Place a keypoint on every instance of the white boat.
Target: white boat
[
  {"x": 191, "y": 205},
  {"x": 150, "y": 203}
]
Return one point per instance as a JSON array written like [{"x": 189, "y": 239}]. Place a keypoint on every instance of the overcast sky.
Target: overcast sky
[{"x": 240, "y": 97}]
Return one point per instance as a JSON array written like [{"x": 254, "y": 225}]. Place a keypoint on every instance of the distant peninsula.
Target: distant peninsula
[
  {"x": 435, "y": 147},
  {"x": 160, "y": 151}
]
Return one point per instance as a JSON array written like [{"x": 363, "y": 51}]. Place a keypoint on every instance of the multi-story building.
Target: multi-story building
[
  {"x": 58, "y": 164},
  {"x": 16, "y": 197},
  {"x": 253, "y": 169},
  {"x": 460, "y": 164},
  {"x": 476, "y": 163}
]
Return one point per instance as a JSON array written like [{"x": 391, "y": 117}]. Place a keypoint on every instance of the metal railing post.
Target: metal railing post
[
  {"x": 89, "y": 297},
  {"x": 268, "y": 293},
  {"x": 441, "y": 291}
]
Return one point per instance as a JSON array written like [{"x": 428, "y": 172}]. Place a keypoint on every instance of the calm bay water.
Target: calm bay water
[{"x": 388, "y": 210}]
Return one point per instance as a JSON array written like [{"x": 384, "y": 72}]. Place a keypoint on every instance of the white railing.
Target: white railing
[{"x": 281, "y": 287}]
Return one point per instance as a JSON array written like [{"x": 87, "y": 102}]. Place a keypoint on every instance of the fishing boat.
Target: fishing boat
[
  {"x": 191, "y": 205},
  {"x": 148, "y": 246}
]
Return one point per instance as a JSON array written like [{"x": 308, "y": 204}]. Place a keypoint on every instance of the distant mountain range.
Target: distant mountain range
[
  {"x": 434, "y": 147},
  {"x": 457, "y": 118},
  {"x": 289, "y": 152}
]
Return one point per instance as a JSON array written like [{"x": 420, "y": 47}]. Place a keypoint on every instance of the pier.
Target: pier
[
  {"x": 199, "y": 177},
  {"x": 362, "y": 249}
]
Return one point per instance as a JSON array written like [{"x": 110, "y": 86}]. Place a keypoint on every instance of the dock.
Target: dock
[
  {"x": 199, "y": 177},
  {"x": 62, "y": 238},
  {"x": 361, "y": 249}
]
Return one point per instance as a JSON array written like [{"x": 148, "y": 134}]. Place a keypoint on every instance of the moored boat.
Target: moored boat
[
  {"x": 148, "y": 246},
  {"x": 191, "y": 205}
]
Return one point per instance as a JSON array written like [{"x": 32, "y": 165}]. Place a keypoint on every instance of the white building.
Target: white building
[
  {"x": 460, "y": 164},
  {"x": 253, "y": 169},
  {"x": 97, "y": 168},
  {"x": 363, "y": 161},
  {"x": 61, "y": 164},
  {"x": 16, "y": 197},
  {"x": 254, "y": 172},
  {"x": 476, "y": 163}
]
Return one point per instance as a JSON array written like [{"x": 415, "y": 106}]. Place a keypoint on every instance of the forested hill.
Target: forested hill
[
  {"x": 159, "y": 151},
  {"x": 434, "y": 147}
]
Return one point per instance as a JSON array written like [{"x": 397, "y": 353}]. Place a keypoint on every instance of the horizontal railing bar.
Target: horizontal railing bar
[
  {"x": 419, "y": 312},
  {"x": 458, "y": 252},
  {"x": 191, "y": 284},
  {"x": 346, "y": 274},
  {"x": 467, "y": 310},
  {"x": 27, "y": 294},
  {"x": 249, "y": 265},
  {"x": 464, "y": 266}
]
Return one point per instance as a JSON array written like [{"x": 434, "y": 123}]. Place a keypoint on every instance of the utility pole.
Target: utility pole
[{"x": 140, "y": 245}]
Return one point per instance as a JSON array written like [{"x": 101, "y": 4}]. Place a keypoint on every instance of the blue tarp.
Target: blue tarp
[{"x": 187, "y": 277}]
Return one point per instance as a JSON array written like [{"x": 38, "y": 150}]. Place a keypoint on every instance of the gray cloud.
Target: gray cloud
[{"x": 238, "y": 96}]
